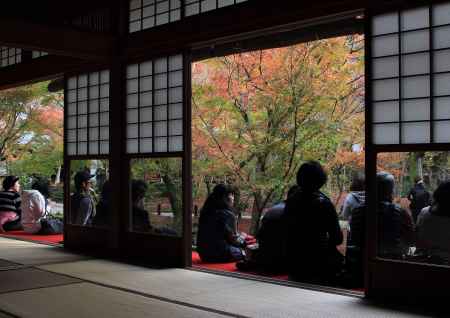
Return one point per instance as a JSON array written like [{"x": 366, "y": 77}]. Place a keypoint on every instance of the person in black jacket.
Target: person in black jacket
[
  {"x": 419, "y": 198},
  {"x": 218, "y": 239},
  {"x": 140, "y": 217},
  {"x": 313, "y": 230}
]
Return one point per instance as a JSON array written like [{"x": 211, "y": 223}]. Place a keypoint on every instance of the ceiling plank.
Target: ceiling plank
[
  {"x": 59, "y": 40},
  {"x": 40, "y": 69}
]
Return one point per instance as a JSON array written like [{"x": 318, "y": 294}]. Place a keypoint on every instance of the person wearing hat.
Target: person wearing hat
[
  {"x": 82, "y": 206},
  {"x": 10, "y": 212}
]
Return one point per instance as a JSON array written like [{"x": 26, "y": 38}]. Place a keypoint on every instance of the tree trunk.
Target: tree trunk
[{"x": 257, "y": 210}]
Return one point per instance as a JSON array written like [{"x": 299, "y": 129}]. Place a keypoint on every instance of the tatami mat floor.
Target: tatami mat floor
[{"x": 55, "y": 283}]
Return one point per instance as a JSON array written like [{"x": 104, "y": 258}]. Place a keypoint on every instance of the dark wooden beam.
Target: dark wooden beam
[
  {"x": 40, "y": 69},
  {"x": 243, "y": 19},
  {"x": 58, "y": 40}
]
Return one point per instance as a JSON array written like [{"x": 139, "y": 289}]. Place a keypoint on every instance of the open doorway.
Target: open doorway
[
  {"x": 260, "y": 113},
  {"x": 31, "y": 138}
]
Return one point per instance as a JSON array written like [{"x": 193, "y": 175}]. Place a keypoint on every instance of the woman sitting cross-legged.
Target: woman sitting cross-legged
[{"x": 218, "y": 239}]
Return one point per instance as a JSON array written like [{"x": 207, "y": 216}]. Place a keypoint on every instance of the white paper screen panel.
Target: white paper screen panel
[
  {"x": 10, "y": 56},
  {"x": 155, "y": 106},
  {"x": 146, "y": 14},
  {"x": 87, "y": 114},
  {"x": 410, "y": 77},
  {"x": 37, "y": 54}
]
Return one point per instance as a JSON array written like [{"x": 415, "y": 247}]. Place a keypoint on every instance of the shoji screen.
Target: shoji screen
[
  {"x": 37, "y": 54},
  {"x": 155, "y": 105},
  {"x": 9, "y": 56},
  {"x": 87, "y": 114},
  {"x": 145, "y": 14},
  {"x": 410, "y": 56}
]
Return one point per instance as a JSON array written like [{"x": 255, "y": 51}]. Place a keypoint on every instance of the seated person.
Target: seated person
[
  {"x": 103, "y": 209},
  {"x": 433, "y": 226},
  {"x": 270, "y": 254},
  {"x": 10, "y": 200},
  {"x": 36, "y": 218},
  {"x": 395, "y": 226},
  {"x": 140, "y": 218},
  {"x": 82, "y": 205},
  {"x": 218, "y": 240},
  {"x": 356, "y": 197},
  {"x": 313, "y": 231}
]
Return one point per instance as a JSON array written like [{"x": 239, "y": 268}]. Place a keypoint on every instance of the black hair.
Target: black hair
[
  {"x": 385, "y": 186},
  {"x": 41, "y": 185},
  {"x": 138, "y": 190},
  {"x": 9, "y": 182},
  {"x": 358, "y": 182},
  {"x": 441, "y": 199},
  {"x": 311, "y": 176},
  {"x": 216, "y": 200},
  {"x": 292, "y": 191},
  {"x": 417, "y": 179}
]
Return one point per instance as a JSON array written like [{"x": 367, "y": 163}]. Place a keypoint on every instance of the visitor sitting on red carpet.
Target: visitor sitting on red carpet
[
  {"x": 36, "y": 218},
  {"x": 10, "y": 212},
  {"x": 218, "y": 240}
]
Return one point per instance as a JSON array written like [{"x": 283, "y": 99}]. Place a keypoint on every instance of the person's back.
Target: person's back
[
  {"x": 33, "y": 210},
  {"x": 313, "y": 231},
  {"x": 433, "y": 226},
  {"x": 271, "y": 238},
  {"x": 419, "y": 198},
  {"x": 81, "y": 208}
]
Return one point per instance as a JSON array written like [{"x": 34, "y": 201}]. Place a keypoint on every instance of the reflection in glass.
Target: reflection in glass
[
  {"x": 90, "y": 193},
  {"x": 156, "y": 196},
  {"x": 413, "y": 206}
]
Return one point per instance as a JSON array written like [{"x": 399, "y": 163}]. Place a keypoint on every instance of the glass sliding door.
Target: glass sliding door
[{"x": 408, "y": 136}]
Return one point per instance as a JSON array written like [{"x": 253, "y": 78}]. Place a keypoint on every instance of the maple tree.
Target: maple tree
[{"x": 258, "y": 115}]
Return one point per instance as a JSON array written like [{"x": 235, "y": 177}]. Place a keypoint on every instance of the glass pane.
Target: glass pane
[
  {"x": 161, "y": 97},
  {"x": 192, "y": 9},
  {"x": 132, "y": 71},
  {"x": 93, "y": 147},
  {"x": 82, "y": 80},
  {"x": 441, "y": 37},
  {"x": 132, "y": 116},
  {"x": 161, "y": 81},
  {"x": 71, "y": 149},
  {"x": 82, "y": 108},
  {"x": 132, "y": 146},
  {"x": 175, "y": 111},
  {"x": 176, "y": 95},
  {"x": 416, "y": 109},
  {"x": 104, "y": 133},
  {"x": 176, "y": 143},
  {"x": 441, "y": 131},
  {"x": 175, "y": 78},
  {"x": 175, "y": 62},
  {"x": 145, "y": 84},
  {"x": 441, "y": 14},
  {"x": 160, "y": 112},
  {"x": 72, "y": 83},
  {"x": 146, "y": 99},
  {"x": 161, "y": 144},
  {"x": 175, "y": 127},
  {"x": 132, "y": 131},
  {"x": 90, "y": 193},
  {"x": 385, "y": 67},
  {"x": 146, "y": 114},
  {"x": 132, "y": 101},
  {"x": 93, "y": 106},
  {"x": 146, "y": 68},
  {"x": 413, "y": 87},
  {"x": 93, "y": 78},
  {"x": 415, "y": 41},
  {"x": 441, "y": 84},
  {"x": 93, "y": 133},
  {"x": 385, "y": 89},
  {"x": 72, "y": 96},
  {"x": 415, "y": 19},
  {"x": 161, "y": 128},
  {"x": 146, "y": 145},
  {"x": 415, "y": 64},
  {"x": 386, "y": 23},
  {"x": 156, "y": 196},
  {"x": 414, "y": 133},
  {"x": 412, "y": 226},
  {"x": 385, "y": 45},
  {"x": 161, "y": 65},
  {"x": 385, "y": 134},
  {"x": 224, "y": 3},
  {"x": 146, "y": 130},
  {"x": 82, "y": 148},
  {"x": 132, "y": 86},
  {"x": 386, "y": 111},
  {"x": 71, "y": 135},
  {"x": 104, "y": 147},
  {"x": 442, "y": 61},
  {"x": 72, "y": 109},
  {"x": 208, "y": 5},
  {"x": 442, "y": 108}
]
